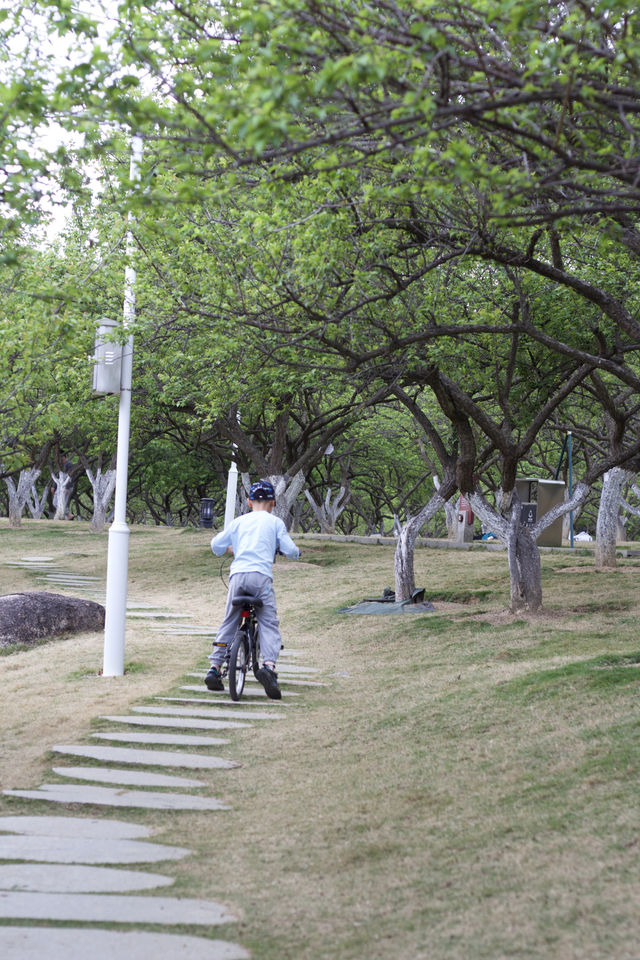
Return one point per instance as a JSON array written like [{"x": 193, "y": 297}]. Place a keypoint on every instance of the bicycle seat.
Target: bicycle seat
[{"x": 245, "y": 601}]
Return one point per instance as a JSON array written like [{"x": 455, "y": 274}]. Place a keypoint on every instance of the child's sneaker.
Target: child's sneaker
[
  {"x": 213, "y": 680},
  {"x": 269, "y": 680}
]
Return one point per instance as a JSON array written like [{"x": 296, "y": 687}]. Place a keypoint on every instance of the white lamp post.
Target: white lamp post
[
  {"x": 118, "y": 550},
  {"x": 232, "y": 487}
]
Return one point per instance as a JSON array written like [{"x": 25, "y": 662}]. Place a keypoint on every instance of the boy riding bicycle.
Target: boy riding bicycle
[{"x": 254, "y": 539}]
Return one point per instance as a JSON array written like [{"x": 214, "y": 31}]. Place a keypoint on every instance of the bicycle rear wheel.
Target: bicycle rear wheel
[
  {"x": 238, "y": 658},
  {"x": 255, "y": 649}
]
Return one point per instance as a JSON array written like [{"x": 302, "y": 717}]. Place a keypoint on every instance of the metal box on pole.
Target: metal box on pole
[
  {"x": 107, "y": 359},
  {"x": 541, "y": 495},
  {"x": 465, "y": 521}
]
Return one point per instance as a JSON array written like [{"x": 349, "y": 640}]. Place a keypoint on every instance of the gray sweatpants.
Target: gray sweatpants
[{"x": 260, "y": 586}]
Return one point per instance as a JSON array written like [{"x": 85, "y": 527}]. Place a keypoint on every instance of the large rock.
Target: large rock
[{"x": 28, "y": 617}]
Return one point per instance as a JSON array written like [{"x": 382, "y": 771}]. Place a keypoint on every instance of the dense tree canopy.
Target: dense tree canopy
[{"x": 409, "y": 219}]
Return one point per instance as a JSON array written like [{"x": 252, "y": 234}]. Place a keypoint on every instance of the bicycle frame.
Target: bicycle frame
[
  {"x": 244, "y": 652},
  {"x": 249, "y": 624}
]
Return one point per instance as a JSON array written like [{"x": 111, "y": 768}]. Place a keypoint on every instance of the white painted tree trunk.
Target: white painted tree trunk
[
  {"x": 405, "y": 547},
  {"x": 523, "y": 554},
  {"x": 287, "y": 491},
  {"x": 629, "y": 507},
  {"x": 61, "y": 495},
  {"x": 103, "y": 485},
  {"x": 607, "y": 524},
  {"x": 621, "y": 533},
  {"x": 450, "y": 512},
  {"x": 19, "y": 495},
  {"x": 327, "y": 512},
  {"x": 36, "y": 503}
]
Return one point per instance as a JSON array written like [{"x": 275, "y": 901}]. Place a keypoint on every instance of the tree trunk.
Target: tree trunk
[
  {"x": 61, "y": 494},
  {"x": 287, "y": 491},
  {"x": 19, "y": 495},
  {"x": 103, "y": 486},
  {"x": 450, "y": 512},
  {"x": 525, "y": 573},
  {"x": 296, "y": 516},
  {"x": 631, "y": 508},
  {"x": 327, "y": 513},
  {"x": 523, "y": 555},
  {"x": 405, "y": 548},
  {"x": 37, "y": 503},
  {"x": 522, "y": 550},
  {"x": 607, "y": 525},
  {"x": 621, "y": 533}
]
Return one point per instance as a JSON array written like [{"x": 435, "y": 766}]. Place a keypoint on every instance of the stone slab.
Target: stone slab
[
  {"x": 52, "y": 943},
  {"x": 94, "y": 908},
  {"x": 183, "y": 723},
  {"x": 215, "y": 712},
  {"x": 292, "y": 682},
  {"x": 156, "y": 758},
  {"x": 257, "y": 692},
  {"x": 295, "y": 653},
  {"x": 159, "y": 739},
  {"x": 75, "y": 878},
  {"x": 157, "y": 615},
  {"x": 76, "y": 827},
  {"x": 207, "y": 628},
  {"x": 67, "y": 849},
  {"x": 130, "y": 778},
  {"x": 141, "y": 605},
  {"x": 37, "y": 565},
  {"x": 73, "y": 578},
  {"x": 110, "y": 797},
  {"x": 254, "y": 691},
  {"x": 296, "y": 668}
]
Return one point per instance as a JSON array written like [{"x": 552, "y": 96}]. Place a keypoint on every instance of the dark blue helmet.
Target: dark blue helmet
[{"x": 262, "y": 490}]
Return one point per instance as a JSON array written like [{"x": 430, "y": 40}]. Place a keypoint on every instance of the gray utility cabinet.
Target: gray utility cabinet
[
  {"x": 107, "y": 359},
  {"x": 537, "y": 498}
]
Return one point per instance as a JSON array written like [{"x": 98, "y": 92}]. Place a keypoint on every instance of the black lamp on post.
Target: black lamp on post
[{"x": 206, "y": 512}]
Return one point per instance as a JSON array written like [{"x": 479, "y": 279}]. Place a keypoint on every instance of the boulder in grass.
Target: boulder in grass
[{"x": 29, "y": 617}]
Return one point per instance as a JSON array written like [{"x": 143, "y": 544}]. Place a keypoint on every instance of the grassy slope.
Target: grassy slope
[{"x": 465, "y": 787}]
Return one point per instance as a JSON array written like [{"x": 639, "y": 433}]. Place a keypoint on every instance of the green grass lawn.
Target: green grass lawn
[{"x": 465, "y": 786}]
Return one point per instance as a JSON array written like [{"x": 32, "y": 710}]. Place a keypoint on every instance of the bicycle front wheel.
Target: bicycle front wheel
[{"x": 238, "y": 664}]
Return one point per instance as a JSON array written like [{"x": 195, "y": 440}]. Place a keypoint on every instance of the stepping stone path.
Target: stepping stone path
[
  {"x": 255, "y": 691},
  {"x": 131, "y": 778},
  {"x": 61, "y": 878},
  {"x": 70, "y": 869},
  {"x": 155, "y": 758},
  {"x": 61, "y": 848},
  {"x": 176, "y": 739},
  {"x": 34, "y": 943},
  {"x": 110, "y": 797},
  {"x": 182, "y": 722}
]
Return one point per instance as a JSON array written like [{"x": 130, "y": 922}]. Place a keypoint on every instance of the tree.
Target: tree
[{"x": 424, "y": 137}]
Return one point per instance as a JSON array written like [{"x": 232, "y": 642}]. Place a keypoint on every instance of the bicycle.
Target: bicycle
[{"x": 245, "y": 647}]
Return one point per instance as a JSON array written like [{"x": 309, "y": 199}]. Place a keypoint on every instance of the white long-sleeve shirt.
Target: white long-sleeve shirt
[{"x": 255, "y": 537}]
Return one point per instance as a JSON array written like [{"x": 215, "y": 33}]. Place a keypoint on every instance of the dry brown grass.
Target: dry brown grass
[{"x": 464, "y": 787}]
